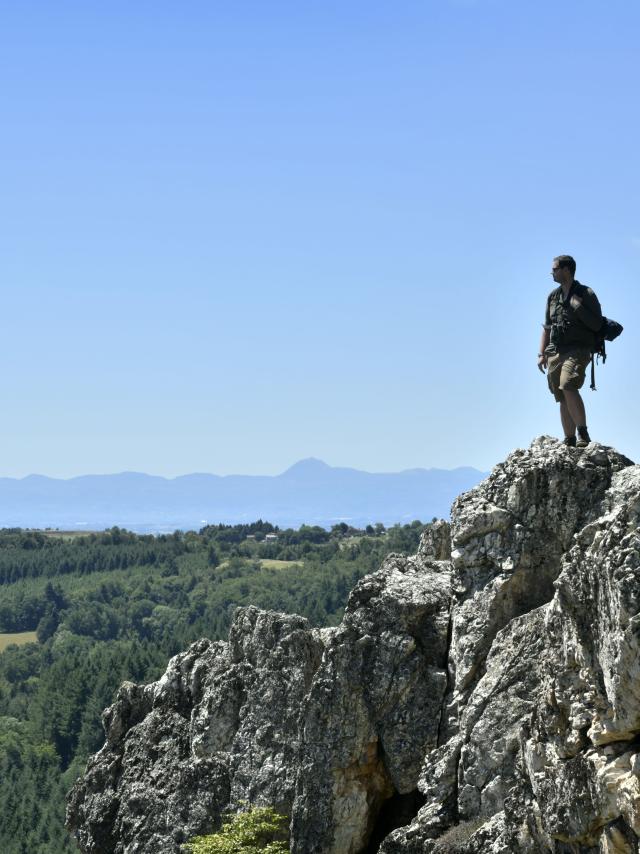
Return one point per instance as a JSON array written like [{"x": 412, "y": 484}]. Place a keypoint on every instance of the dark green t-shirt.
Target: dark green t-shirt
[{"x": 572, "y": 328}]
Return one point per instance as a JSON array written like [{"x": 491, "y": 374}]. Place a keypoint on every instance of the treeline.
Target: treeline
[
  {"x": 129, "y": 605},
  {"x": 34, "y": 554}
]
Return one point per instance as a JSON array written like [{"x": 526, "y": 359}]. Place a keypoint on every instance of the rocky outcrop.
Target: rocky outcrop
[
  {"x": 481, "y": 696},
  {"x": 326, "y": 725}
]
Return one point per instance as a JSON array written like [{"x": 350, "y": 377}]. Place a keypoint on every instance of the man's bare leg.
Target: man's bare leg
[
  {"x": 575, "y": 407},
  {"x": 568, "y": 424}
]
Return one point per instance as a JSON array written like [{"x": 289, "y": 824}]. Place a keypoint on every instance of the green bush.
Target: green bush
[{"x": 261, "y": 829}]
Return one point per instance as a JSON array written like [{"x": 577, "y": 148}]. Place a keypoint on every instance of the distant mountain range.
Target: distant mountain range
[{"x": 309, "y": 492}]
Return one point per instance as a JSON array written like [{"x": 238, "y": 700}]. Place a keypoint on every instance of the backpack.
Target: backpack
[{"x": 609, "y": 331}]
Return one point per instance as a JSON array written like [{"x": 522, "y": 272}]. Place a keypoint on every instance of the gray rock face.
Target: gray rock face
[
  {"x": 325, "y": 725},
  {"x": 373, "y": 710},
  {"x": 481, "y": 696},
  {"x": 538, "y": 754}
]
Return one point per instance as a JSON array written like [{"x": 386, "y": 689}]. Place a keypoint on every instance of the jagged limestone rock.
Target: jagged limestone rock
[
  {"x": 374, "y": 706},
  {"x": 543, "y": 716},
  {"x": 435, "y": 544},
  {"x": 497, "y": 671},
  {"x": 219, "y": 728},
  {"x": 325, "y": 725},
  {"x": 508, "y": 538}
]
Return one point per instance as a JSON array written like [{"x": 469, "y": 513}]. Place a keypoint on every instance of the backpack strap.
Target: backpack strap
[{"x": 599, "y": 353}]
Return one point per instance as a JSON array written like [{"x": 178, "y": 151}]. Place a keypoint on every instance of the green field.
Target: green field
[
  {"x": 67, "y": 536},
  {"x": 279, "y": 564},
  {"x": 8, "y": 638},
  {"x": 270, "y": 563}
]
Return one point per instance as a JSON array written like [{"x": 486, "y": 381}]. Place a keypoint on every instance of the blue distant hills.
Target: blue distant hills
[{"x": 310, "y": 492}]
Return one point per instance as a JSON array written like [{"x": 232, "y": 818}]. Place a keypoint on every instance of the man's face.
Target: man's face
[{"x": 559, "y": 273}]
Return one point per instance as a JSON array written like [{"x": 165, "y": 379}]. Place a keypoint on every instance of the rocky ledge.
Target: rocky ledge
[{"x": 480, "y": 696}]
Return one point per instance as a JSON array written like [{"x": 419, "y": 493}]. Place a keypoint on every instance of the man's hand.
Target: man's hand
[
  {"x": 575, "y": 302},
  {"x": 542, "y": 362}
]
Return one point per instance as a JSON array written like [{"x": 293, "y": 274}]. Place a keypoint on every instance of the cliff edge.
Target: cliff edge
[{"x": 482, "y": 695}]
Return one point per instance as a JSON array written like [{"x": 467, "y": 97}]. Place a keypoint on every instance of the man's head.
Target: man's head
[{"x": 563, "y": 269}]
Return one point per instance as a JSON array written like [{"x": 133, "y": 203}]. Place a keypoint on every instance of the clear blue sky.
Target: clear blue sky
[{"x": 237, "y": 234}]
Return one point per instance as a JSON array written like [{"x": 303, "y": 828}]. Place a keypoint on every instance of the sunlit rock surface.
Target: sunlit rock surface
[{"x": 481, "y": 696}]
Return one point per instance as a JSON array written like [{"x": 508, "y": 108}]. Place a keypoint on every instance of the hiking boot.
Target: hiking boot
[
  {"x": 583, "y": 437},
  {"x": 569, "y": 441}
]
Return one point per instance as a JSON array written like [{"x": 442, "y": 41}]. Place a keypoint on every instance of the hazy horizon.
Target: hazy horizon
[
  {"x": 237, "y": 473},
  {"x": 308, "y": 492}
]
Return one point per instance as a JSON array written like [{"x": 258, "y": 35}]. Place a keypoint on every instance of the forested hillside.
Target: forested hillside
[{"x": 115, "y": 605}]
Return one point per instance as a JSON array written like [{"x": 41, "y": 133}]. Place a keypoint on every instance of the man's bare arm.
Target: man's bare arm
[{"x": 544, "y": 341}]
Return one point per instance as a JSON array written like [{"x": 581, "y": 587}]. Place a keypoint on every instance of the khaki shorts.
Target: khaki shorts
[{"x": 566, "y": 370}]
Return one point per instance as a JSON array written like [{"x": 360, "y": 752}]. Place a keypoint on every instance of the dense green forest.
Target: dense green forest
[{"x": 115, "y": 605}]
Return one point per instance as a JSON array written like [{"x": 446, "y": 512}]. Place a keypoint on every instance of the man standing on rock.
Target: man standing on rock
[{"x": 572, "y": 319}]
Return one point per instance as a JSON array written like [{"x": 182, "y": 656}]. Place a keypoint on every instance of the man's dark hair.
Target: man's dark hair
[{"x": 566, "y": 261}]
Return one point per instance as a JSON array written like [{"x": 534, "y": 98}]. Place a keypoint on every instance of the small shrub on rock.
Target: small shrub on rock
[{"x": 260, "y": 830}]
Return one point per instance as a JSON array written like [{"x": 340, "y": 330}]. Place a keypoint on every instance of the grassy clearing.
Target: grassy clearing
[
  {"x": 279, "y": 564},
  {"x": 6, "y": 639},
  {"x": 347, "y": 542},
  {"x": 67, "y": 536}
]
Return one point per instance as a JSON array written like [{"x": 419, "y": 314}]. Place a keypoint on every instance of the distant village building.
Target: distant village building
[
  {"x": 271, "y": 538},
  {"x": 250, "y": 537}
]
